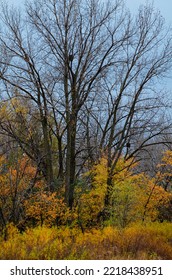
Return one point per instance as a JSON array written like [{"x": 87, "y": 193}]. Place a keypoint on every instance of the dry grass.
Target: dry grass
[{"x": 151, "y": 241}]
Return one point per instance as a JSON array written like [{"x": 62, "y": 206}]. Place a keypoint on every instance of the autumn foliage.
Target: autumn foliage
[
  {"x": 37, "y": 224},
  {"x": 82, "y": 108},
  {"x": 150, "y": 241}
]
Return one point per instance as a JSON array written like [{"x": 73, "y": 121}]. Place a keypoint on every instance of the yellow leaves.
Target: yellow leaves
[
  {"x": 91, "y": 202},
  {"x": 134, "y": 197},
  {"x": 164, "y": 174},
  {"x": 123, "y": 169},
  {"x": 3, "y": 111},
  {"x": 90, "y": 205},
  {"x": 138, "y": 241},
  {"x": 12, "y": 231},
  {"x": 100, "y": 173},
  {"x": 138, "y": 197},
  {"x": 15, "y": 114},
  {"x": 11, "y": 108},
  {"x": 167, "y": 158}
]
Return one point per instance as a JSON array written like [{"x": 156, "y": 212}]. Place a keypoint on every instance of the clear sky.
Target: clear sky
[
  {"x": 165, "y": 6},
  {"x": 15, "y": 2}
]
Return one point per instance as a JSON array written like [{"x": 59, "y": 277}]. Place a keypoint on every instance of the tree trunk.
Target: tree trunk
[
  {"x": 60, "y": 159},
  {"x": 48, "y": 156},
  {"x": 70, "y": 162}
]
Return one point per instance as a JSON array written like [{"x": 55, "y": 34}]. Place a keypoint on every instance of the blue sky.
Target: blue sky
[{"x": 165, "y": 6}]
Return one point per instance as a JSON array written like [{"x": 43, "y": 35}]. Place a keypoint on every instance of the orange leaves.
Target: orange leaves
[
  {"x": 164, "y": 174},
  {"x": 18, "y": 173},
  {"x": 45, "y": 208},
  {"x": 4, "y": 190},
  {"x": 134, "y": 197},
  {"x": 40, "y": 203},
  {"x": 165, "y": 167},
  {"x": 15, "y": 179},
  {"x": 20, "y": 193}
]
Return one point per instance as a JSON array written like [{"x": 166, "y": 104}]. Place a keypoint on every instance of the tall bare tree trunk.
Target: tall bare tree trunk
[
  {"x": 48, "y": 156},
  {"x": 71, "y": 146},
  {"x": 70, "y": 162}
]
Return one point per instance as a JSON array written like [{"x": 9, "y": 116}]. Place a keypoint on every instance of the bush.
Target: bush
[{"x": 150, "y": 241}]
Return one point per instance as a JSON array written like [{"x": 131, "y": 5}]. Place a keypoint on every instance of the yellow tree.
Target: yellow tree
[{"x": 134, "y": 197}]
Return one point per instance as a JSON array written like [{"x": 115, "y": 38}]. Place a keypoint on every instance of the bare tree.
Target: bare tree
[{"x": 90, "y": 71}]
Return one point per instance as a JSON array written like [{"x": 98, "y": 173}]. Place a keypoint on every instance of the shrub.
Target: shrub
[{"x": 139, "y": 241}]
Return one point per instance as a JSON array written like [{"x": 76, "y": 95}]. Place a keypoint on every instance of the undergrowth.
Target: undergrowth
[{"x": 150, "y": 241}]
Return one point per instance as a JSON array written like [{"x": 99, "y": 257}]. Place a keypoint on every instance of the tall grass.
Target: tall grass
[{"x": 150, "y": 241}]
